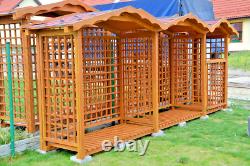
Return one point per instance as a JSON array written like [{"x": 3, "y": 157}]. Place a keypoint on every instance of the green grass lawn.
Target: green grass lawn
[
  {"x": 221, "y": 140},
  {"x": 240, "y": 60}
]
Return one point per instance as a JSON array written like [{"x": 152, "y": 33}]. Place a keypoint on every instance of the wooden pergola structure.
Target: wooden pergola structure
[
  {"x": 96, "y": 69},
  {"x": 112, "y": 73},
  {"x": 186, "y": 54},
  {"x": 218, "y": 39},
  {"x": 192, "y": 68},
  {"x": 23, "y": 52}
]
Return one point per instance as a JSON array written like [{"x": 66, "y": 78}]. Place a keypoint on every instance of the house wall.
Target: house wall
[{"x": 245, "y": 44}]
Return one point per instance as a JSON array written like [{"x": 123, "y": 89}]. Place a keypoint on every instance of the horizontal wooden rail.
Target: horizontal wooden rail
[
  {"x": 217, "y": 105},
  {"x": 216, "y": 60},
  {"x": 190, "y": 107}
]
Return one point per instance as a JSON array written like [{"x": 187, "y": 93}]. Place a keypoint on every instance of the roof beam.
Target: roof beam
[
  {"x": 193, "y": 26},
  {"x": 128, "y": 18},
  {"x": 68, "y": 29}
]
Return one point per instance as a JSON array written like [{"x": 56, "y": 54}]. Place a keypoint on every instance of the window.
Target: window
[{"x": 238, "y": 27}]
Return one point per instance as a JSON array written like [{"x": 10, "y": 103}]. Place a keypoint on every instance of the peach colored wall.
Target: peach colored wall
[{"x": 245, "y": 44}]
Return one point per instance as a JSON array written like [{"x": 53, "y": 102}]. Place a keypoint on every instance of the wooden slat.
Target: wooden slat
[
  {"x": 216, "y": 60},
  {"x": 29, "y": 98},
  {"x": 174, "y": 117},
  {"x": 226, "y": 43},
  {"x": 155, "y": 78},
  {"x": 204, "y": 76},
  {"x": 40, "y": 94},
  {"x": 124, "y": 132}
]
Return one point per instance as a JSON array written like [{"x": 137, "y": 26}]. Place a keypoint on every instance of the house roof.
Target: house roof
[
  {"x": 54, "y": 9},
  {"x": 231, "y": 9},
  {"x": 7, "y": 6},
  {"x": 99, "y": 2},
  {"x": 79, "y": 20}
]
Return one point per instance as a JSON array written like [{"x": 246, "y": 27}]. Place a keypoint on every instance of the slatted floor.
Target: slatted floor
[
  {"x": 173, "y": 117},
  {"x": 216, "y": 109},
  {"x": 93, "y": 140}
]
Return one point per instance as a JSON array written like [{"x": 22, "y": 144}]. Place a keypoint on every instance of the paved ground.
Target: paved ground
[{"x": 239, "y": 85}]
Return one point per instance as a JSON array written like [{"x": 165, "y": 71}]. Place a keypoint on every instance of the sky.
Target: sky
[{"x": 49, "y": 1}]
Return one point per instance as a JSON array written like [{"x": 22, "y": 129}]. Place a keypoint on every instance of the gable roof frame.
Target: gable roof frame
[
  {"x": 67, "y": 6},
  {"x": 134, "y": 19},
  {"x": 187, "y": 23},
  {"x": 224, "y": 26},
  {"x": 129, "y": 14}
]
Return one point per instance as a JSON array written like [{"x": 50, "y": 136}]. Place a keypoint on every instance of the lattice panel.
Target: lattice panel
[
  {"x": 59, "y": 82},
  {"x": 100, "y": 75},
  {"x": 137, "y": 75},
  {"x": 11, "y": 33},
  {"x": 34, "y": 73},
  {"x": 164, "y": 71},
  {"x": 216, "y": 83},
  {"x": 216, "y": 71},
  {"x": 215, "y": 48},
  {"x": 187, "y": 69}
]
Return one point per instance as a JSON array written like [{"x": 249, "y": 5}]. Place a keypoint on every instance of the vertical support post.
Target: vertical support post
[
  {"x": 194, "y": 68},
  {"x": 120, "y": 80},
  {"x": 28, "y": 91},
  {"x": 155, "y": 79},
  {"x": 226, "y": 42},
  {"x": 2, "y": 92},
  {"x": 113, "y": 74},
  {"x": 172, "y": 74},
  {"x": 12, "y": 129},
  {"x": 40, "y": 92},
  {"x": 78, "y": 37},
  {"x": 204, "y": 76}
]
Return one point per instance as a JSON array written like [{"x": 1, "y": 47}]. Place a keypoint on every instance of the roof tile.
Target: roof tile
[
  {"x": 8, "y": 5},
  {"x": 100, "y": 2},
  {"x": 231, "y": 8}
]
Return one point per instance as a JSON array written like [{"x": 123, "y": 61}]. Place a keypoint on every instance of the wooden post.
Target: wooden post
[
  {"x": 172, "y": 74},
  {"x": 226, "y": 42},
  {"x": 78, "y": 37},
  {"x": 121, "y": 81},
  {"x": 40, "y": 92},
  {"x": 204, "y": 74},
  {"x": 155, "y": 83},
  {"x": 28, "y": 84},
  {"x": 194, "y": 69}
]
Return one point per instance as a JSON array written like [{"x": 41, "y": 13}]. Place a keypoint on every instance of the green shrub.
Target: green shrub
[{"x": 5, "y": 135}]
